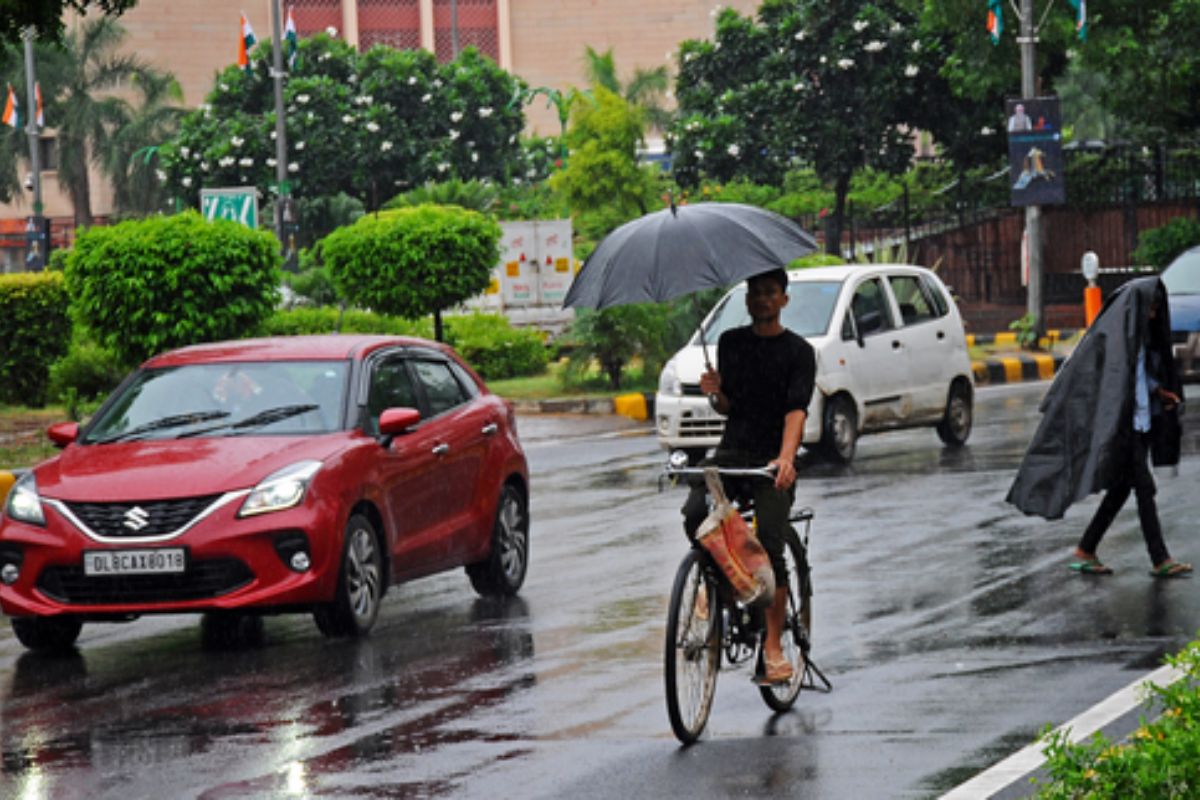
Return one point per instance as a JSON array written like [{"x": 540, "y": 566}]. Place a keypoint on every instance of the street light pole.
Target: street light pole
[
  {"x": 1033, "y": 214},
  {"x": 35, "y": 150},
  {"x": 283, "y": 201}
]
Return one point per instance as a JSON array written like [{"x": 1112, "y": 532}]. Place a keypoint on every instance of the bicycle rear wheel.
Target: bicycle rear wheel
[
  {"x": 798, "y": 627},
  {"x": 693, "y": 648}
]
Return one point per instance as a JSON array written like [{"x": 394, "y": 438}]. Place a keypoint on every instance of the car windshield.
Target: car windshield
[
  {"x": 235, "y": 399},
  {"x": 1183, "y": 274},
  {"x": 807, "y": 313}
]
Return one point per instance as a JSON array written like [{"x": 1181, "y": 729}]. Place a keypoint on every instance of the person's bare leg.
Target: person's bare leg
[{"x": 772, "y": 648}]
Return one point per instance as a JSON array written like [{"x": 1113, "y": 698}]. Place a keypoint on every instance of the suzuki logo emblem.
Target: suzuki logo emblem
[{"x": 136, "y": 518}]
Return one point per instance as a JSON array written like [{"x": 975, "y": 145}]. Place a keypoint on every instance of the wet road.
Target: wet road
[{"x": 947, "y": 621}]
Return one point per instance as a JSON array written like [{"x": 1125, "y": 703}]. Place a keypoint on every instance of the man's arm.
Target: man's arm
[{"x": 793, "y": 431}]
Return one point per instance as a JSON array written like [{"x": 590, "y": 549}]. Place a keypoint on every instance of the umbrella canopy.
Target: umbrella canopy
[{"x": 684, "y": 249}]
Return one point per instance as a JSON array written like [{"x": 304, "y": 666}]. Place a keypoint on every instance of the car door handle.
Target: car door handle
[
  {"x": 489, "y": 429},
  {"x": 441, "y": 449}
]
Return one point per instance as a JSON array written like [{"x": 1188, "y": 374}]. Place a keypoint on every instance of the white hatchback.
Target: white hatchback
[{"x": 891, "y": 353}]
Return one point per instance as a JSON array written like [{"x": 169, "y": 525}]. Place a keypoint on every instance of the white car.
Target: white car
[{"x": 891, "y": 353}]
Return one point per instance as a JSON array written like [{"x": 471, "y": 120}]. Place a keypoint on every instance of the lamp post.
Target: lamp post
[
  {"x": 35, "y": 228},
  {"x": 1035, "y": 300},
  {"x": 285, "y": 213}
]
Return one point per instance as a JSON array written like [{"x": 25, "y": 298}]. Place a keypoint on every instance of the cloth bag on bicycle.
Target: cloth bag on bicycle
[{"x": 735, "y": 547}]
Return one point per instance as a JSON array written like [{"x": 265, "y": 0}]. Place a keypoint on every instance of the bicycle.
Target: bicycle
[{"x": 699, "y": 631}]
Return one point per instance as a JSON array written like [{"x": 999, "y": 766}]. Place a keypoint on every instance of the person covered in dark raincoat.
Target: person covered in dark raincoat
[{"x": 1112, "y": 408}]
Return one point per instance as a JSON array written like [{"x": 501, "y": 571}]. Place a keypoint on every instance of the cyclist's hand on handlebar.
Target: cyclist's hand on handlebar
[{"x": 785, "y": 472}]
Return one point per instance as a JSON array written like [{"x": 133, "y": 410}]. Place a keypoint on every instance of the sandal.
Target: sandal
[
  {"x": 1171, "y": 569},
  {"x": 776, "y": 672},
  {"x": 1090, "y": 566}
]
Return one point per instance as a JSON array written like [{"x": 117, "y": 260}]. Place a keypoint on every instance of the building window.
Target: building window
[
  {"x": 48, "y": 153},
  {"x": 314, "y": 16},
  {"x": 395, "y": 23},
  {"x": 476, "y": 23}
]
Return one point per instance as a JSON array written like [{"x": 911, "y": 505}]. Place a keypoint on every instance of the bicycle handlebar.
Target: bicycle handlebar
[{"x": 752, "y": 472}]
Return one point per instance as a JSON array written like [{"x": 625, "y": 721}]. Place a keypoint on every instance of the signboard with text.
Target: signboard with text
[{"x": 239, "y": 204}]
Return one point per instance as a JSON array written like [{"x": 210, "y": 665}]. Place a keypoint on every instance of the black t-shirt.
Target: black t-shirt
[{"x": 764, "y": 378}]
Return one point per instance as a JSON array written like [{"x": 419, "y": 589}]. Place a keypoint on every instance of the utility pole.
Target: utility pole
[
  {"x": 284, "y": 213},
  {"x": 1033, "y": 214},
  {"x": 36, "y": 224}
]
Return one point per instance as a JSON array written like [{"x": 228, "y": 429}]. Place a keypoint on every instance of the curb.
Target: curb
[
  {"x": 1009, "y": 338},
  {"x": 638, "y": 407},
  {"x": 1014, "y": 369}
]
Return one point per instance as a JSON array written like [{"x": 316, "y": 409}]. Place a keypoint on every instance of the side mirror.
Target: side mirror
[
  {"x": 63, "y": 433},
  {"x": 394, "y": 422},
  {"x": 870, "y": 322}
]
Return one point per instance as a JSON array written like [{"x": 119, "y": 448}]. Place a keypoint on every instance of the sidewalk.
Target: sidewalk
[{"x": 1009, "y": 367}]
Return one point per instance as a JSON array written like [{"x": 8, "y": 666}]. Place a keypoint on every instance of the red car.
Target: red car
[{"x": 268, "y": 475}]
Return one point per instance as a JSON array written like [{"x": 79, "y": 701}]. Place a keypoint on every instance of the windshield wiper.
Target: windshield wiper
[
  {"x": 163, "y": 423},
  {"x": 266, "y": 417}
]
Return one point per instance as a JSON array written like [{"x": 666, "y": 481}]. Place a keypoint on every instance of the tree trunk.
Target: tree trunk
[
  {"x": 81, "y": 193},
  {"x": 437, "y": 325},
  {"x": 833, "y": 231}
]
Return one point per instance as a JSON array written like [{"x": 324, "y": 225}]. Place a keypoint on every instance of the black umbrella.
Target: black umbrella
[{"x": 684, "y": 249}]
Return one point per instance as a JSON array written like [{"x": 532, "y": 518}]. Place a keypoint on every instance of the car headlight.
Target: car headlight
[
  {"x": 24, "y": 504},
  {"x": 668, "y": 381},
  {"x": 281, "y": 489}
]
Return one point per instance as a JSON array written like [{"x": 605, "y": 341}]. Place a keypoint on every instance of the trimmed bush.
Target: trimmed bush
[
  {"x": 1159, "y": 246},
  {"x": 326, "y": 319},
  {"x": 149, "y": 285},
  {"x": 87, "y": 372},
  {"x": 35, "y": 329},
  {"x": 496, "y": 349}
]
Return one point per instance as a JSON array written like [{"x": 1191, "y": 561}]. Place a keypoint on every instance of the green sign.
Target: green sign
[{"x": 239, "y": 204}]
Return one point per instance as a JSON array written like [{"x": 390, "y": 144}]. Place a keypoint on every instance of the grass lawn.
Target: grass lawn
[
  {"x": 550, "y": 385},
  {"x": 23, "y": 440}
]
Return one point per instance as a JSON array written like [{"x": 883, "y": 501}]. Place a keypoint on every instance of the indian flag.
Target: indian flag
[
  {"x": 37, "y": 95},
  {"x": 12, "y": 110},
  {"x": 289, "y": 36},
  {"x": 995, "y": 20},
  {"x": 1080, "y": 7},
  {"x": 245, "y": 43}
]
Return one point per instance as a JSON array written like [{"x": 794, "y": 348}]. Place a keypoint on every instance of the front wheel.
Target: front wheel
[
  {"x": 47, "y": 634},
  {"x": 955, "y": 426},
  {"x": 797, "y": 627},
  {"x": 360, "y": 583},
  {"x": 839, "y": 434},
  {"x": 503, "y": 571},
  {"x": 693, "y": 648}
]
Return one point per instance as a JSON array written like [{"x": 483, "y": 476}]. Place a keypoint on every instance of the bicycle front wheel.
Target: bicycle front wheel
[
  {"x": 797, "y": 627},
  {"x": 693, "y": 648}
]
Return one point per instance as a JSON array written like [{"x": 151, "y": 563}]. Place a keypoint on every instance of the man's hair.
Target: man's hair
[{"x": 779, "y": 275}]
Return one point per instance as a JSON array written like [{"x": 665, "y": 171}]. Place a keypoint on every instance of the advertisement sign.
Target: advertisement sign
[
  {"x": 555, "y": 270},
  {"x": 1035, "y": 151}
]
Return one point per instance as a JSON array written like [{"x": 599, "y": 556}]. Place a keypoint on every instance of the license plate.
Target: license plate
[{"x": 153, "y": 561}]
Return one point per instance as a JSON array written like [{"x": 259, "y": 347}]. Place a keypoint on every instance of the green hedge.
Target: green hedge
[
  {"x": 35, "y": 329},
  {"x": 487, "y": 341}
]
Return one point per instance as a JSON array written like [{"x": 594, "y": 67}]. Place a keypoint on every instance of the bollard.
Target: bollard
[{"x": 1090, "y": 266}]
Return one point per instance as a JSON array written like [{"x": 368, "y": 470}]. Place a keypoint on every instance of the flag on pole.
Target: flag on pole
[
  {"x": 246, "y": 41},
  {"x": 995, "y": 19},
  {"x": 289, "y": 35},
  {"x": 12, "y": 110},
  {"x": 37, "y": 97},
  {"x": 1080, "y": 7}
]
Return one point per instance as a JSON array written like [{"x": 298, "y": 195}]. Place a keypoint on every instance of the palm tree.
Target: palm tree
[
  {"x": 131, "y": 155},
  {"x": 644, "y": 90},
  {"x": 89, "y": 121}
]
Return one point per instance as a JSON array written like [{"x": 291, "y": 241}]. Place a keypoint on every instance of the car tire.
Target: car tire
[
  {"x": 230, "y": 630},
  {"x": 839, "y": 431},
  {"x": 502, "y": 573},
  {"x": 955, "y": 426},
  {"x": 360, "y": 584},
  {"x": 47, "y": 634}
]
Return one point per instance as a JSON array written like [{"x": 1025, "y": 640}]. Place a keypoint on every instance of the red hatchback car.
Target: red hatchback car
[{"x": 268, "y": 475}]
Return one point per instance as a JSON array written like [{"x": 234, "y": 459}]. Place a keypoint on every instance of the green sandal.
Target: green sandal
[
  {"x": 1171, "y": 569},
  {"x": 1090, "y": 567}
]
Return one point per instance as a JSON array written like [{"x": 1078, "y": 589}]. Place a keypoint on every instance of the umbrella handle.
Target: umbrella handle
[{"x": 712, "y": 398}]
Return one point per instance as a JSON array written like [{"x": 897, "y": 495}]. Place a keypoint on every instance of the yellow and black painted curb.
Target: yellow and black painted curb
[
  {"x": 1009, "y": 338},
  {"x": 635, "y": 406},
  {"x": 1014, "y": 369}
]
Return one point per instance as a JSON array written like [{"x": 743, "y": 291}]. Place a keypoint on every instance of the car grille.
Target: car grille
[
  {"x": 691, "y": 390},
  {"x": 202, "y": 580},
  {"x": 160, "y": 517},
  {"x": 711, "y": 427}
]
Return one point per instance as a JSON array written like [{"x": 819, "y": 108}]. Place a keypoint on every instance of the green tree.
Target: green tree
[
  {"x": 646, "y": 88},
  {"x": 615, "y": 336},
  {"x": 368, "y": 125},
  {"x": 144, "y": 286},
  {"x": 131, "y": 159},
  {"x": 46, "y": 16},
  {"x": 828, "y": 84},
  {"x": 414, "y": 261}
]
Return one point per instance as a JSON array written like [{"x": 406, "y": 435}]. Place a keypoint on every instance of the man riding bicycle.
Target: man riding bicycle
[{"x": 763, "y": 386}]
